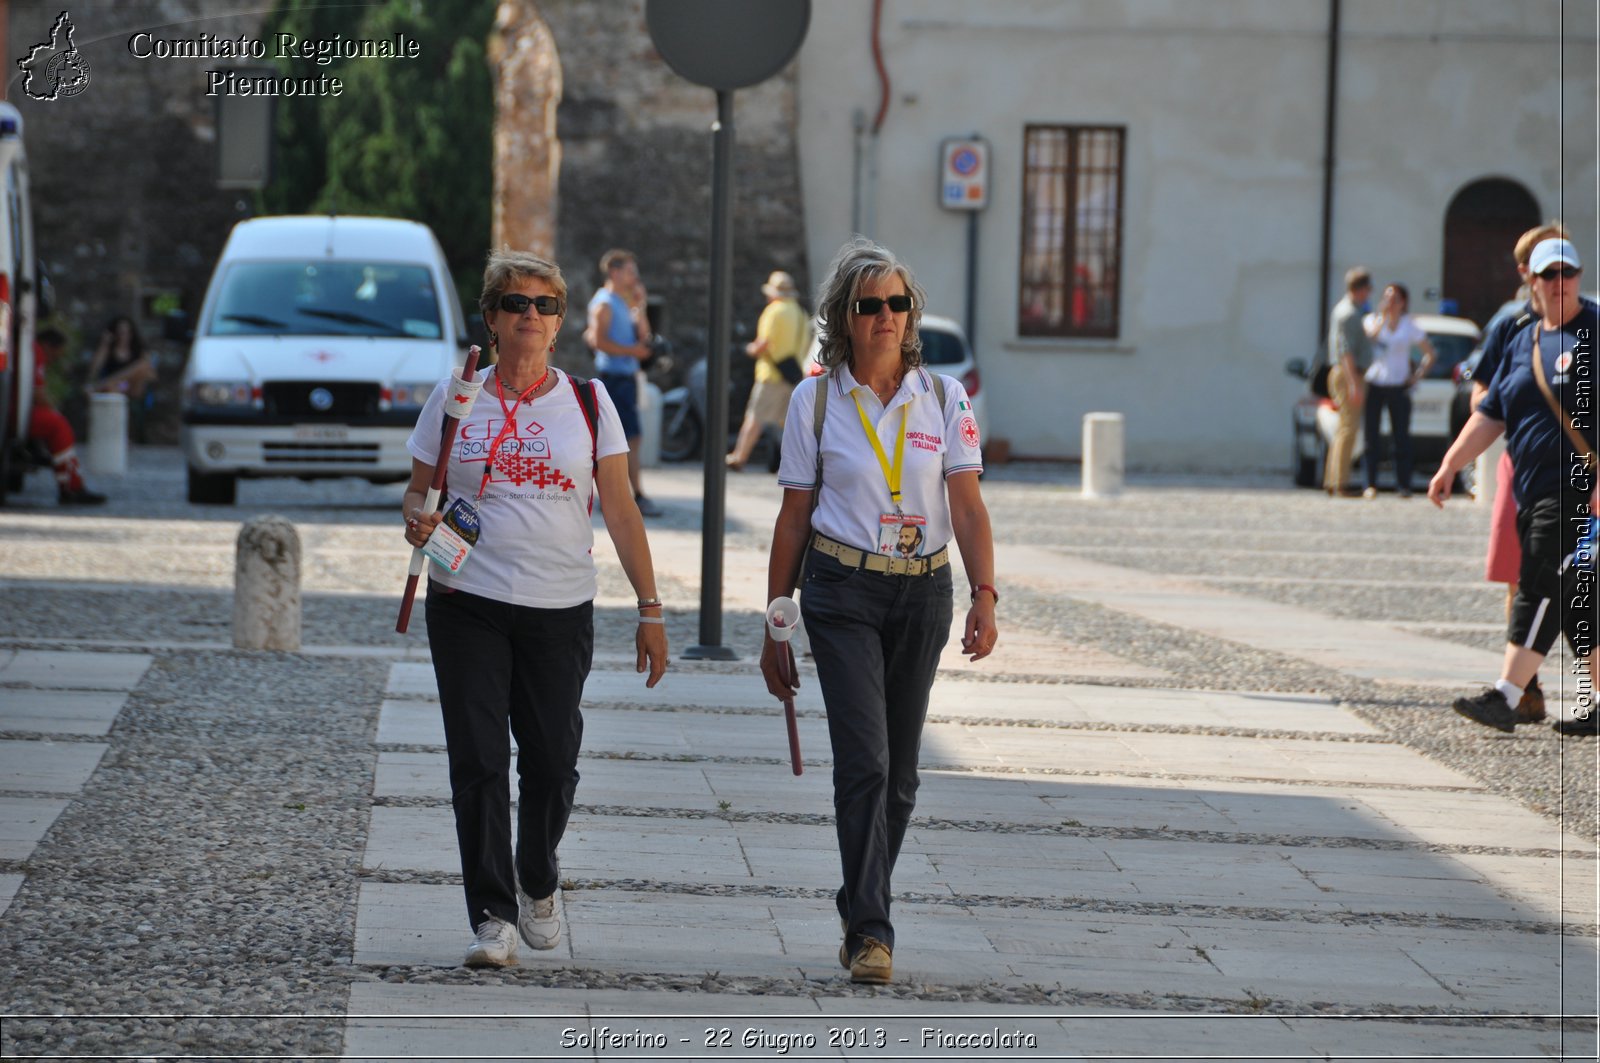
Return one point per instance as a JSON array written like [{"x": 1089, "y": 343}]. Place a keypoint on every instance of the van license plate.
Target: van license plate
[{"x": 316, "y": 433}]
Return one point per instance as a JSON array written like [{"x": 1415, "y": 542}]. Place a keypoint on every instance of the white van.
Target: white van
[
  {"x": 18, "y": 282},
  {"x": 318, "y": 342}
]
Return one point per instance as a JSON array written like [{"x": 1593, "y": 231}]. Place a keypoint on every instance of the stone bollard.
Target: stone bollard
[
  {"x": 266, "y": 586},
  {"x": 1102, "y": 455},
  {"x": 649, "y": 426},
  {"x": 106, "y": 453}
]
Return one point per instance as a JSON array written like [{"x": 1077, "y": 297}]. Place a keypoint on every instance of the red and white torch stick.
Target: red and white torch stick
[{"x": 463, "y": 390}]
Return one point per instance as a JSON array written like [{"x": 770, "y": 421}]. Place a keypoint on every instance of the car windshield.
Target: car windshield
[
  {"x": 941, "y": 348},
  {"x": 327, "y": 299},
  {"x": 1452, "y": 351}
]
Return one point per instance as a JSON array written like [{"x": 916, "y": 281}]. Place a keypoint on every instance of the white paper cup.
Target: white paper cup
[{"x": 782, "y": 616}]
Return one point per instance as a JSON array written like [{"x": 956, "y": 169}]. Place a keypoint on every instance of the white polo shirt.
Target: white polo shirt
[
  {"x": 536, "y": 546},
  {"x": 855, "y": 492}
]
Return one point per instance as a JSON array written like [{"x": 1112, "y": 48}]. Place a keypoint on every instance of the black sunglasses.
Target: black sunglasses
[
  {"x": 1566, "y": 273},
  {"x": 547, "y": 305},
  {"x": 869, "y": 307}
]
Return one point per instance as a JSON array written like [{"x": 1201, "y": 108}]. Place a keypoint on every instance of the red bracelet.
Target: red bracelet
[{"x": 985, "y": 587}]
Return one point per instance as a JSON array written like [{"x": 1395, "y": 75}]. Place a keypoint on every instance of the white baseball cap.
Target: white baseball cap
[{"x": 1547, "y": 253}]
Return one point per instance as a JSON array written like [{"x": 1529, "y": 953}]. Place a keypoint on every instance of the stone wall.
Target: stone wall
[
  {"x": 636, "y": 170},
  {"x": 124, "y": 173}
]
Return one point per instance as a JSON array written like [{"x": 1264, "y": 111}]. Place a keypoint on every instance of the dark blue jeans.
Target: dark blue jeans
[
  {"x": 499, "y": 664},
  {"x": 876, "y": 639},
  {"x": 1398, "y": 402}
]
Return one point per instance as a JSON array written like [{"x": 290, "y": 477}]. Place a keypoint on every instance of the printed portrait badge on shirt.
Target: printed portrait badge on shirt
[
  {"x": 452, "y": 541},
  {"x": 901, "y": 534}
]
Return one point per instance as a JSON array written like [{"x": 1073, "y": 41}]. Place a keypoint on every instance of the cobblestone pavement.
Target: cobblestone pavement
[{"x": 203, "y": 845}]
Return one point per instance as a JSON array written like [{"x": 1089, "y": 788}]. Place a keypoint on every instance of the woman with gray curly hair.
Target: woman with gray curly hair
[{"x": 880, "y": 470}]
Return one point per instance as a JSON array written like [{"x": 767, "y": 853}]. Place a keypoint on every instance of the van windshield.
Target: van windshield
[{"x": 326, "y": 298}]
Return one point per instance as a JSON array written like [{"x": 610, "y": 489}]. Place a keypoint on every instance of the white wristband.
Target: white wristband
[{"x": 652, "y": 620}]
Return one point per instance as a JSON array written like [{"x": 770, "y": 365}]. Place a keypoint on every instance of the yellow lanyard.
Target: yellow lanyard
[{"x": 891, "y": 473}]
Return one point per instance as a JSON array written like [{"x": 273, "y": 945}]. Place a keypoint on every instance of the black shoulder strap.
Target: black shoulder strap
[{"x": 590, "y": 405}]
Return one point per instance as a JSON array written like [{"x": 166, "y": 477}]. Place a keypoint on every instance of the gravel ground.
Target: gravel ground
[{"x": 211, "y": 863}]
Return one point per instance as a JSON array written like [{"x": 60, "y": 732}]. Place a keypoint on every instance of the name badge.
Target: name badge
[
  {"x": 452, "y": 541},
  {"x": 900, "y": 534}
]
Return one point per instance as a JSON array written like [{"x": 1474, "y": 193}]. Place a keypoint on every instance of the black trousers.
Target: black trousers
[
  {"x": 876, "y": 639},
  {"x": 1551, "y": 598},
  {"x": 1397, "y": 400},
  {"x": 497, "y": 665}
]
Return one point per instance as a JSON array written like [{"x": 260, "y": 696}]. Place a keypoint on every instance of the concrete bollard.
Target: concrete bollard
[
  {"x": 1486, "y": 473},
  {"x": 1102, "y": 455},
  {"x": 106, "y": 452},
  {"x": 649, "y": 426},
  {"x": 266, "y": 586}
]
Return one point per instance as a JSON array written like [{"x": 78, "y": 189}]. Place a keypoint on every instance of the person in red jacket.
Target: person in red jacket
[{"x": 49, "y": 427}]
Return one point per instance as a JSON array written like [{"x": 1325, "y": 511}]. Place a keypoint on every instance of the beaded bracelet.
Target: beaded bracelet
[{"x": 649, "y": 603}]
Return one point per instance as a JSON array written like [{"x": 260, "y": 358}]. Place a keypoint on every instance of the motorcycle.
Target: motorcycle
[{"x": 683, "y": 409}]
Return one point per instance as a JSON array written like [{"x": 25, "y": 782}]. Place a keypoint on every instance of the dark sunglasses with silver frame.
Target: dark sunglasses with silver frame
[
  {"x": 515, "y": 303},
  {"x": 869, "y": 307},
  {"x": 1566, "y": 273}
]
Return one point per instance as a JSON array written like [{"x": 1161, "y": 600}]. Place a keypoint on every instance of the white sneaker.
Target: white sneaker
[
  {"x": 495, "y": 945},
  {"x": 540, "y": 920}
]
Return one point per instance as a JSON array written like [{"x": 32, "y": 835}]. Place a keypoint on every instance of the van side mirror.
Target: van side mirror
[{"x": 1296, "y": 367}]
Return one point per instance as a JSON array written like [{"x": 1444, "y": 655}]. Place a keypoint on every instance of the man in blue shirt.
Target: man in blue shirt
[
  {"x": 1548, "y": 365},
  {"x": 619, "y": 334}
]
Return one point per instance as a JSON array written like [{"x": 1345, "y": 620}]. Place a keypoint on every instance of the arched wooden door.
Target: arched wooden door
[{"x": 1481, "y": 226}]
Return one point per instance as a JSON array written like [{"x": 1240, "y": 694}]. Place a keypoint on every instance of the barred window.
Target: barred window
[{"x": 1071, "y": 231}]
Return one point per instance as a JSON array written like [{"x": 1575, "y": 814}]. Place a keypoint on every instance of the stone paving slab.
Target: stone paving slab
[
  {"x": 1469, "y": 818},
  {"x": 1368, "y": 649},
  {"x": 411, "y": 1021},
  {"x": 1058, "y": 703},
  {"x": 1145, "y": 871},
  {"x": 23, "y": 821},
  {"x": 70, "y": 712},
  {"x": 978, "y": 746},
  {"x": 48, "y": 767},
  {"x": 1435, "y": 817},
  {"x": 73, "y": 670}
]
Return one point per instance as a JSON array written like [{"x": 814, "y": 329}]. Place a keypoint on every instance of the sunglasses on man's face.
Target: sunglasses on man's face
[
  {"x": 547, "y": 305},
  {"x": 869, "y": 307},
  {"x": 1566, "y": 273}
]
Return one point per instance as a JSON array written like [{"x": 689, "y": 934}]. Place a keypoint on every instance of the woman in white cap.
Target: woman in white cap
[
  {"x": 781, "y": 338},
  {"x": 1543, "y": 400}
]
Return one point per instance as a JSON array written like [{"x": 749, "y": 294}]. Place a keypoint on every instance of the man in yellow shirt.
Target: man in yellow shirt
[{"x": 781, "y": 338}]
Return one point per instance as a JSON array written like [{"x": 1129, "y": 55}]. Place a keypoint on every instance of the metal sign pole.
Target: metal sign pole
[
  {"x": 716, "y": 445},
  {"x": 723, "y": 45}
]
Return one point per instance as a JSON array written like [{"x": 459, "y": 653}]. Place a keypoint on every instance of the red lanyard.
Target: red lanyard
[{"x": 509, "y": 428}]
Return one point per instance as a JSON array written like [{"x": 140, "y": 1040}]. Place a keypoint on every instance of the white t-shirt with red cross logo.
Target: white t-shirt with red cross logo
[
  {"x": 536, "y": 541},
  {"x": 855, "y": 492}
]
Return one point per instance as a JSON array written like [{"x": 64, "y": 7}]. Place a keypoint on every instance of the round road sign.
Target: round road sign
[{"x": 727, "y": 44}]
